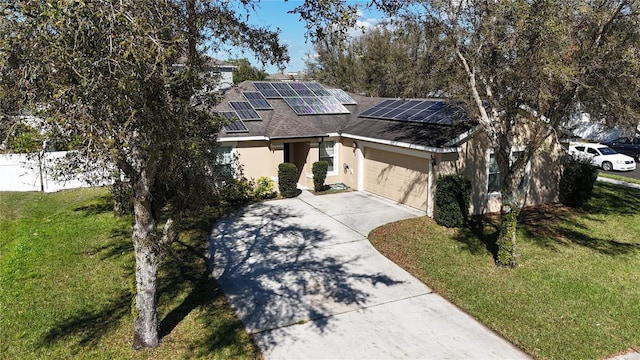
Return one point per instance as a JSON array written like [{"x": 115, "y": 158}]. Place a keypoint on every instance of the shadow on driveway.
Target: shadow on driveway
[{"x": 278, "y": 269}]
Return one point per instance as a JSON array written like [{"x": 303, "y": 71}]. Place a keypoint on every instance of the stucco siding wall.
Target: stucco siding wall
[
  {"x": 311, "y": 153},
  {"x": 544, "y": 174},
  {"x": 257, "y": 159},
  {"x": 348, "y": 156}
]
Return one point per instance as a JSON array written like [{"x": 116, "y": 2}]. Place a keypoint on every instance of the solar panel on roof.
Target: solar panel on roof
[
  {"x": 244, "y": 110},
  {"x": 312, "y": 100},
  {"x": 406, "y": 115},
  {"x": 314, "y": 86},
  {"x": 375, "y": 108},
  {"x": 257, "y": 100},
  {"x": 236, "y": 125},
  {"x": 315, "y": 106},
  {"x": 267, "y": 90},
  {"x": 391, "y": 106},
  {"x": 338, "y": 109},
  {"x": 228, "y": 115},
  {"x": 299, "y": 106},
  {"x": 321, "y": 92},
  {"x": 424, "y": 111},
  {"x": 329, "y": 100},
  {"x": 342, "y": 96},
  {"x": 285, "y": 90}
]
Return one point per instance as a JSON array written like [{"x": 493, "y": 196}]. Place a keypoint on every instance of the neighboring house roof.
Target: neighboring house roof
[
  {"x": 283, "y": 123},
  {"x": 288, "y": 76},
  {"x": 208, "y": 61}
]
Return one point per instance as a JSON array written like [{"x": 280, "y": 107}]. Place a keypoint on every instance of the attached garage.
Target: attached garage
[{"x": 398, "y": 177}]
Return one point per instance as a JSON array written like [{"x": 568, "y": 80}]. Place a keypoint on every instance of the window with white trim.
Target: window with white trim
[
  {"x": 224, "y": 162},
  {"x": 328, "y": 154},
  {"x": 493, "y": 183},
  {"x": 494, "y": 174}
]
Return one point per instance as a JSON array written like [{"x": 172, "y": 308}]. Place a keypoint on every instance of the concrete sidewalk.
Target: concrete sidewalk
[{"x": 302, "y": 276}]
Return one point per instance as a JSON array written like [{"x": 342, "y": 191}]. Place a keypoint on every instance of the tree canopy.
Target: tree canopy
[
  {"x": 128, "y": 75},
  {"x": 244, "y": 71},
  {"x": 521, "y": 67},
  {"x": 387, "y": 61}
]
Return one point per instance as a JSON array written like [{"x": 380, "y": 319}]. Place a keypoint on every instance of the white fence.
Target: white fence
[{"x": 23, "y": 172}]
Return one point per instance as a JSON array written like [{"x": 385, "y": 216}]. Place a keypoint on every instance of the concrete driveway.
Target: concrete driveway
[{"x": 307, "y": 284}]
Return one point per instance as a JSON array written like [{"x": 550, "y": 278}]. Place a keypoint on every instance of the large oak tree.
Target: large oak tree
[
  {"x": 128, "y": 75},
  {"x": 522, "y": 67}
]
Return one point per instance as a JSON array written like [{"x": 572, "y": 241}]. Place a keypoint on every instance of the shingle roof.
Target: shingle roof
[{"x": 283, "y": 122}]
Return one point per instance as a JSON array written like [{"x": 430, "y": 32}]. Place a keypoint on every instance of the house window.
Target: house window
[
  {"x": 327, "y": 153},
  {"x": 494, "y": 174},
  {"x": 224, "y": 162},
  {"x": 493, "y": 185}
]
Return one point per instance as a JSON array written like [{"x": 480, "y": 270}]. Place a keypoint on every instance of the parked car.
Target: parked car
[
  {"x": 627, "y": 146},
  {"x": 602, "y": 156}
]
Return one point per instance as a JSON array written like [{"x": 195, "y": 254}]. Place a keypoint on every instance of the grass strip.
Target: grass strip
[{"x": 618, "y": 177}]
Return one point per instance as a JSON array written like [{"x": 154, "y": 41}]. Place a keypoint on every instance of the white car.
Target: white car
[{"x": 602, "y": 156}]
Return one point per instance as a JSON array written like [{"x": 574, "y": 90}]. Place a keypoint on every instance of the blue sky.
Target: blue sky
[{"x": 273, "y": 14}]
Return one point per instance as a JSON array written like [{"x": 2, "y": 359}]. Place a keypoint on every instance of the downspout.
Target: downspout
[
  {"x": 360, "y": 157},
  {"x": 430, "y": 188}
]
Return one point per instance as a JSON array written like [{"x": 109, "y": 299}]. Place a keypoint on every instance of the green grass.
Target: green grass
[
  {"x": 618, "y": 177},
  {"x": 66, "y": 272},
  {"x": 576, "y": 292}
]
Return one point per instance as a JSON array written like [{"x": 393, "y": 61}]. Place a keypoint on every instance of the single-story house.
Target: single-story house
[{"x": 395, "y": 148}]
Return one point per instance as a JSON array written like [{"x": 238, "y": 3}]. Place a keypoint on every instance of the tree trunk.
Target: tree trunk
[
  {"x": 506, "y": 242},
  {"x": 147, "y": 256}
]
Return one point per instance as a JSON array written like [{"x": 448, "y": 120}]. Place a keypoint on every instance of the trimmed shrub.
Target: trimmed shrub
[
  {"x": 265, "y": 188},
  {"x": 319, "y": 170},
  {"x": 288, "y": 180},
  {"x": 577, "y": 181},
  {"x": 237, "y": 191},
  {"x": 452, "y": 198}
]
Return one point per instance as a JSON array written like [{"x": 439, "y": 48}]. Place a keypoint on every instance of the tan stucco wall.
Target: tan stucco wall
[
  {"x": 310, "y": 153},
  {"x": 349, "y": 156},
  {"x": 258, "y": 159},
  {"x": 473, "y": 162}
]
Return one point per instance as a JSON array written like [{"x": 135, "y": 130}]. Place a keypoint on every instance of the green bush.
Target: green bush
[
  {"x": 25, "y": 139},
  {"x": 288, "y": 180},
  {"x": 265, "y": 188},
  {"x": 577, "y": 181},
  {"x": 452, "y": 198},
  {"x": 237, "y": 191},
  {"x": 319, "y": 169}
]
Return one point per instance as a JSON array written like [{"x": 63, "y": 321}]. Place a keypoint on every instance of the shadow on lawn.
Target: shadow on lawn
[
  {"x": 104, "y": 205},
  {"x": 183, "y": 272},
  {"x": 554, "y": 225},
  {"x": 277, "y": 273}
]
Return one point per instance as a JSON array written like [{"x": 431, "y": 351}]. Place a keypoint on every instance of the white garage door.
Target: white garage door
[{"x": 397, "y": 177}]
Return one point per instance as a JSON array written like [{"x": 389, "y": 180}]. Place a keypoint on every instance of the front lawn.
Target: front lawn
[
  {"x": 576, "y": 293},
  {"x": 66, "y": 274}
]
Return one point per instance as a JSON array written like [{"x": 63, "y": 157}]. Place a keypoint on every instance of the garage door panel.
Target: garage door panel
[{"x": 398, "y": 177}]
